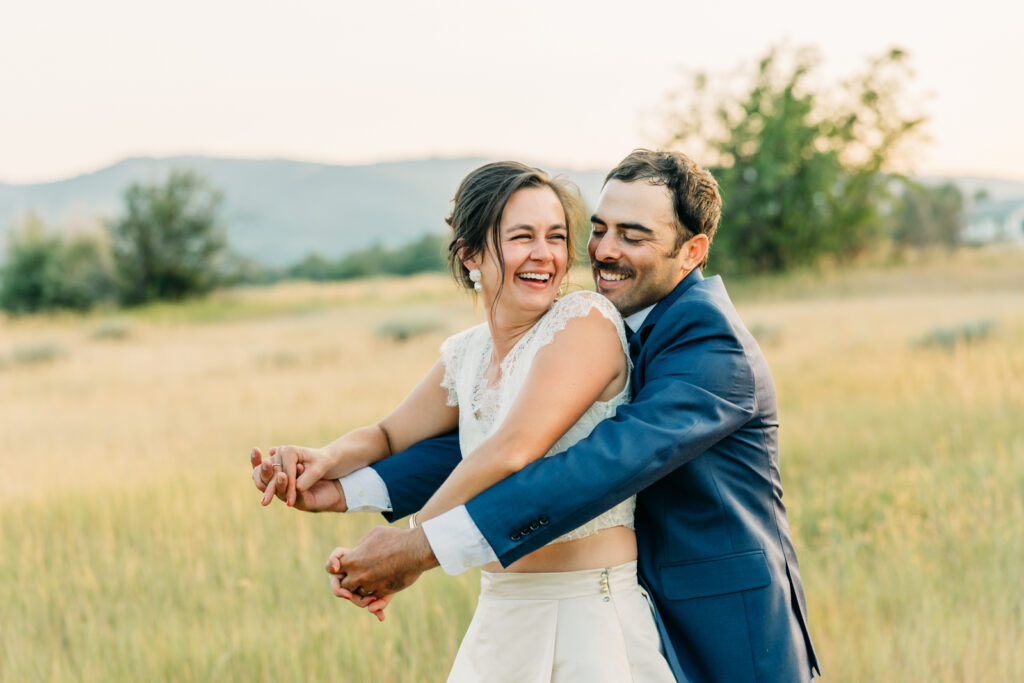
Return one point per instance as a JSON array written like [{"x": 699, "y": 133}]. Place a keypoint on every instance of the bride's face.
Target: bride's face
[{"x": 534, "y": 245}]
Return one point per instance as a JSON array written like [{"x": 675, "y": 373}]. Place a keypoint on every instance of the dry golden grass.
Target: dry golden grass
[{"x": 132, "y": 546}]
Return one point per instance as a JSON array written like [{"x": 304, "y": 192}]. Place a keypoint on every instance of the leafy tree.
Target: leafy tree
[
  {"x": 46, "y": 271},
  {"x": 168, "y": 242},
  {"x": 802, "y": 167}
]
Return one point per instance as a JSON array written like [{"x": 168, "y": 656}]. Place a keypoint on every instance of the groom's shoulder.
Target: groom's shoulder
[{"x": 705, "y": 302}]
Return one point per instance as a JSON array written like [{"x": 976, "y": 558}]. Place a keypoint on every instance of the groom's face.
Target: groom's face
[{"x": 632, "y": 243}]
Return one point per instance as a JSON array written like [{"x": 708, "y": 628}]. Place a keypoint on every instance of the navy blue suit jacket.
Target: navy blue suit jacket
[{"x": 698, "y": 445}]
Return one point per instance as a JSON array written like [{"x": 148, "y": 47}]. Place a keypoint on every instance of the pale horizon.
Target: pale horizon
[{"x": 577, "y": 85}]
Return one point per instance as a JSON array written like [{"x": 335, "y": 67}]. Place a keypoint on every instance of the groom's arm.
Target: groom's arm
[
  {"x": 409, "y": 478},
  {"x": 699, "y": 390}
]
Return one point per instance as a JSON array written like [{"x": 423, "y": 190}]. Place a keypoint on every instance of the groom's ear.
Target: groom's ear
[{"x": 695, "y": 251}]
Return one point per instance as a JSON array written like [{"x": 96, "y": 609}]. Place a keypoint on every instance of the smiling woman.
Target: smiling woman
[
  {"x": 480, "y": 224},
  {"x": 531, "y": 255}
]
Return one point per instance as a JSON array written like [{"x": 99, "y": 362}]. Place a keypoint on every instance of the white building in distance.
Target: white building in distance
[{"x": 995, "y": 221}]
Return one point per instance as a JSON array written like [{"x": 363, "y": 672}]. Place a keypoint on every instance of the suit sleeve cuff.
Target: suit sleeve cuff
[
  {"x": 456, "y": 541},
  {"x": 365, "y": 491}
]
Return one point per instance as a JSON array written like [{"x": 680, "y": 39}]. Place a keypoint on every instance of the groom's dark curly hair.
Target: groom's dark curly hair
[{"x": 695, "y": 195}]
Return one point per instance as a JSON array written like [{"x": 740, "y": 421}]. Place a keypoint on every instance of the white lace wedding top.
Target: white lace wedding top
[{"x": 483, "y": 407}]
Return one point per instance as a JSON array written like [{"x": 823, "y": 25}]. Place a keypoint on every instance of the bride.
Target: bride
[{"x": 530, "y": 382}]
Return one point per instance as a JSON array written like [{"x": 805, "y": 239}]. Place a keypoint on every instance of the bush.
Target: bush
[
  {"x": 402, "y": 330},
  {"x": 33, "y": 354},
  {"x": 111, "y": 330},
  {"x": 949, "y": 338},
  {"x": 45, "y": 271},
  {"x": 926, "y": 216}
]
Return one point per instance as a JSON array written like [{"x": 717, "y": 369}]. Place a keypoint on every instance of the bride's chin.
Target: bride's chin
[{"x": 535, "y": 305}]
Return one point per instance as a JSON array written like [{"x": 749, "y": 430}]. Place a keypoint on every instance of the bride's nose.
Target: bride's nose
[{"x": 541, "y": 250}]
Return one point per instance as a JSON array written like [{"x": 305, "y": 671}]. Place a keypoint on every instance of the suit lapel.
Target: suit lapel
[{"x": 641, "y": 335}]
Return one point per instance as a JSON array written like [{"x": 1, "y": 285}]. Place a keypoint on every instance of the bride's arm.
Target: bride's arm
[
  {"x": 584, "y": 362},
  {"x": 422, "y": 414}
]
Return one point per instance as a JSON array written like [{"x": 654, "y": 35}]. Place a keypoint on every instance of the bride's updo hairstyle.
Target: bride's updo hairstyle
[{"x": 480, "y": 202}]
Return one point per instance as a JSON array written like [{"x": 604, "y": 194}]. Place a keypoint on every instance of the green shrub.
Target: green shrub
[
  {"x": 46, "y": 271},
  {"x": 33, "y": 354},
  {"x": 401, "y": 330},
  {"x": 949, "y": 337},
  {"x": 111, "y": 330}
]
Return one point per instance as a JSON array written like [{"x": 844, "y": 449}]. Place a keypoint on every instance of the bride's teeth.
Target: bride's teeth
[{"x": 534, "y": 276}]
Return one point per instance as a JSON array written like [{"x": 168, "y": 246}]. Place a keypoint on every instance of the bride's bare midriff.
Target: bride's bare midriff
[{"x": 606, "y": 548}]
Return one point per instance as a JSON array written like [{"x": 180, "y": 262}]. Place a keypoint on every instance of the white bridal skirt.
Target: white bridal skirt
[{"x": 591, "y": 625}]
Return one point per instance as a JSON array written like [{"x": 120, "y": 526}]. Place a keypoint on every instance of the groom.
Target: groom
[{"x": 698, "y": 445}]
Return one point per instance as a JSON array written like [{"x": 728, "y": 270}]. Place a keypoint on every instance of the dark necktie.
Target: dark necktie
[{"x": 634, "y": 344}]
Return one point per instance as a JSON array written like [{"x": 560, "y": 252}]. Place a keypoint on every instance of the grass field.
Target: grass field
[{"x": 132, "y": 545}]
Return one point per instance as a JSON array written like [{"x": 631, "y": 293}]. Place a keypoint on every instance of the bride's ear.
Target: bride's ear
[{"x": 470, "y": 262}]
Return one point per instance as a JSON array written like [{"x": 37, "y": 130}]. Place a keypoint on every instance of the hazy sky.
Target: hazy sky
[{"x": 579, "y": 83}]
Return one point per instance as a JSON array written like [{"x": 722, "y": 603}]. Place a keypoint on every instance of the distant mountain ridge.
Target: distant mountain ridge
[{"x": 279, "y": 210}]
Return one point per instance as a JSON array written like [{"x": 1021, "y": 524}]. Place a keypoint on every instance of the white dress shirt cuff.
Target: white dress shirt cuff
[
  {"x": 365, "y": 491},
  {"x": 457, "y": 542}
]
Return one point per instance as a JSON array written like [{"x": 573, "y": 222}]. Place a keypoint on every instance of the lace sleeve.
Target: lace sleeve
[
  {"x": 578, "y": 305},
  {"x": 450, "y": 357}
]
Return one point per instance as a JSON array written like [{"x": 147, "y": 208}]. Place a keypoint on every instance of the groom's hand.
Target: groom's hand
[
  {"x": 385, "y": 561},
  {"x": 325, "y": 495}
]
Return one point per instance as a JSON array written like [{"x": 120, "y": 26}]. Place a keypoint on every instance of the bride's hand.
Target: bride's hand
[
  {"x": 269, "y": 476},
  {"x": 374, "y": 604},
  {"x": 302, "y": 467},
  {"x": 265, "y": 475}
]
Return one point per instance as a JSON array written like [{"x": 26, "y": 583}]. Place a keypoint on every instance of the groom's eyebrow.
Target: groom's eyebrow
[
  {"x": 623, "y": 226},
  {"x": 634, "y": 226}
]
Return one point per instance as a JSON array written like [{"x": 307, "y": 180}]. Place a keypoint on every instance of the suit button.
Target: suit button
[
  {"x": 543, "y": 519},
  {"x": 515, "y": 536},
  {"x": 534, "y": 526},
  {"x": 524, "y": 531}
]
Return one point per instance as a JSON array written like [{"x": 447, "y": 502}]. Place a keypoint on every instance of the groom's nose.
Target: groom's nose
[{"x": 604, "y": 247}]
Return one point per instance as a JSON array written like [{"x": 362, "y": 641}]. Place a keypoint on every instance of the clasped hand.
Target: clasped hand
[
  {"x": 295, "y": 475},
  {"x": 384, "y": 561}
]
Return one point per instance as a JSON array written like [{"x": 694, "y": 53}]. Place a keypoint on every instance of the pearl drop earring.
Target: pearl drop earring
[{"x": 475, "y": 277}]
